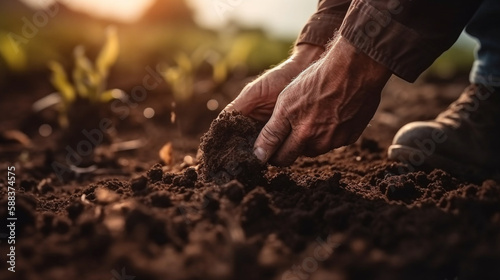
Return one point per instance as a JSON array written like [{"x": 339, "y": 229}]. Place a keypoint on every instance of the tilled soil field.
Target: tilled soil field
[{"x": 348, "y": 214}]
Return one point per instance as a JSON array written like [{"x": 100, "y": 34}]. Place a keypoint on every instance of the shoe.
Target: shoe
[{"x": 463, "y": 140}]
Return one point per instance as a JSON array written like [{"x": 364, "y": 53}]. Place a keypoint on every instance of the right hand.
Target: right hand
[
  {"x": 318, "y": 111},
  {"x": 257, "y": 99}
]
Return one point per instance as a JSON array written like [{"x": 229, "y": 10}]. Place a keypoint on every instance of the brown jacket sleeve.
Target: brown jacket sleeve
[
  {"x": 404, "y": 35},
  {"x": 322, "y": 25}
]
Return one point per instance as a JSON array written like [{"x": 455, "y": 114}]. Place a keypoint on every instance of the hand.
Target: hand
[
  {"x": 327, "y": 106},
  {"x": 257, "y": 99}
]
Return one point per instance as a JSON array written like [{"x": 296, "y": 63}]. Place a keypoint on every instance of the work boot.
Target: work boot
[{"x": 464, "y": 139}]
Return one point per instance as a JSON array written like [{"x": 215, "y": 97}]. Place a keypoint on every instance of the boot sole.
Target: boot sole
[{"x": 407, "y": 154}]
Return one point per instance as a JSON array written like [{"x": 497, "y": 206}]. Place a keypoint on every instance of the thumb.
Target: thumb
[{"x": 271, "y": 137}]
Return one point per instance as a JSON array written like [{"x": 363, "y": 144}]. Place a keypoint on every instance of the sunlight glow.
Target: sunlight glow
[
  {"x": 208, "y": 13},
  {"x": 125, "y": 11},
  {"x": 283, "y": 18}
]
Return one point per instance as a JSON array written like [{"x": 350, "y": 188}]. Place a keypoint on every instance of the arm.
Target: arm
[{"x": 329, "y": 104}]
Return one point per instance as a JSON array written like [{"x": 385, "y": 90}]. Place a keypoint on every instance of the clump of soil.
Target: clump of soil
[{"x": 228, "y": 151}]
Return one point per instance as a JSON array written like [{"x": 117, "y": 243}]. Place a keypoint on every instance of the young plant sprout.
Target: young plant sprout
[
  {"x": 188, "y": 69},
  {"x": 81, "y": 99},
  {"x": 89, "y": 80},
  {"x": 181, "y": 77},
  {"x": 14, "y": 56}
]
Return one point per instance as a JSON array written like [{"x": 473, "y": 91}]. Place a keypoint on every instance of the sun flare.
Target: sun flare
[{"x": 126, "y": 11}]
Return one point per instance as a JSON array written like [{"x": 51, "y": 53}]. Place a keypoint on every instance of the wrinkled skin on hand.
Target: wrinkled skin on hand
[{"x": 326, "y": 106}]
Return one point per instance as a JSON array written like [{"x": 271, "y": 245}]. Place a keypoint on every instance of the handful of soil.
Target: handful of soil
[{"x": 228, "y": 151}]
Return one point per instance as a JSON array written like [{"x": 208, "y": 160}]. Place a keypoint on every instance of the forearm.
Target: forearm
[
  {"x": 352, "y": 67},
  {"x": 305, "y": 54}
]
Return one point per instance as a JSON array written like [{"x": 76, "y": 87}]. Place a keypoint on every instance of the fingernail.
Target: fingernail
[{"x": 260, "y": 154}]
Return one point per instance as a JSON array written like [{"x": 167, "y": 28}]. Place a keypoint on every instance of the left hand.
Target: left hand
[
  {"x": 327, "y": 106},
  {"x": 257, "y": 99}
]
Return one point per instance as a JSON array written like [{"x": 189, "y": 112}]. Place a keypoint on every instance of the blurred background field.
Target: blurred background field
[
  {"x": 256, "y": 34},
  {"x": 165, "y": 29}
]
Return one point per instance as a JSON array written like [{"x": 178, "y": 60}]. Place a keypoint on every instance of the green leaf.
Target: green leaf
[
  {"x": 109, "y": 52},
  {"x": 62, "y": 118},
  {"x": 82, "y": 73},
  {"x": 219, "y": 72},
  {"x": 200, "y": 55},
  {"x": 14, "y": 56},
  {"x": 60, "y": 81},
  {"x": 172, "y": 75},
  {"x": 184, "y": 62},
  {"x": 241, "y": 50},
  {"x": 109, "y": 95}
]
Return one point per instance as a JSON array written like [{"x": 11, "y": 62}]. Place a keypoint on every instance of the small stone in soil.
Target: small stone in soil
[
  {"x": 138, "y": 184},
  {"x": 155, "y": 174}
]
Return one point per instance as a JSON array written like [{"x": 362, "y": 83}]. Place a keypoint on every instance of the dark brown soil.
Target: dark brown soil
[
  {"x": 227, "y": 151},
  {"x": 348, "y": 214}
]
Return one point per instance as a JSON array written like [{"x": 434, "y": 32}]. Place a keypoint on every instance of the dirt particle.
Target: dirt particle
[
  {"x": 256, "y": 205},
  {"x": 75, "y": 209},
  {"x": 234, "y": 190},
  {"x": 139, "y": 184},
  {"x": 273, "y": 252},
  {"x": 61, "y": 226},
  {"x": 168, "y": 178},
  {"x": 113, "y": 184},
  {"x": 400, "y": 187},
  {"x": 28, "y": 184},
  {"x": 87, "y": 228},
  {"x": 46, "y": 226},
  {"x": 144, "y": 225},
  {"x": 190, "y": 174},
  {"x": 210, "y": 202},
  {"x": 160, "y": 199},
  {"x": 186, "y": 179},
  {"x": 45, "y": 186},
  {"x": 155, "y": 174},
  {"x": 470, "y": 191},
  {"x": 489, "y": 190}
]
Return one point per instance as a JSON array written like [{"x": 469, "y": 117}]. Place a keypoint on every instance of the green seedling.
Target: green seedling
[
  {"x": 88, "y": 86},
  {"x": 182, "y": 76},
  {"x": 13, "y": 55}
]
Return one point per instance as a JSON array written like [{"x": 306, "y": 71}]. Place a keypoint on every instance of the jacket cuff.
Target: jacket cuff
[
  {"x": 399, "y": 48},
  {"x": 320, "y": 29}
]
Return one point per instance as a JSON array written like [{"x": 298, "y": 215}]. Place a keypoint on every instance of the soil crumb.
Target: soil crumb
[{"x": 228, "y": 151}]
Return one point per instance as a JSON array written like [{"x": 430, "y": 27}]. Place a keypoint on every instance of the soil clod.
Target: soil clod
[{"x": 228, "y": 151}]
